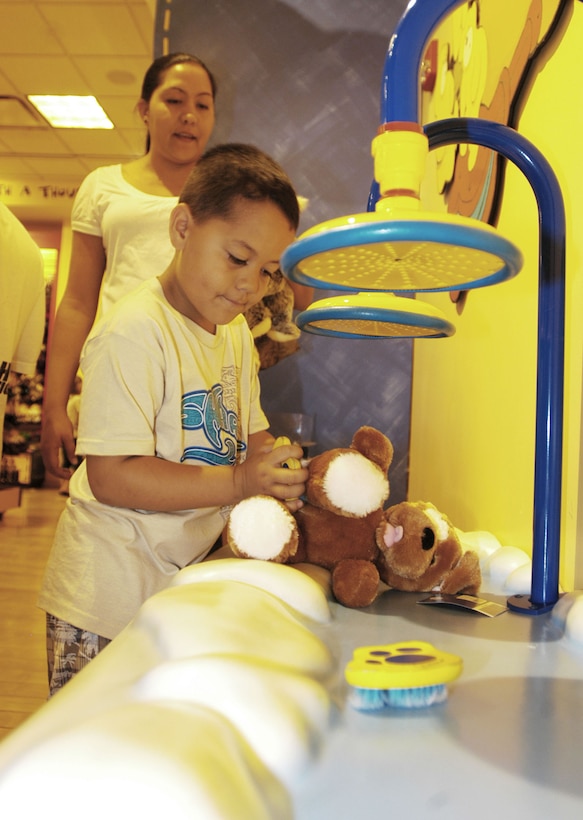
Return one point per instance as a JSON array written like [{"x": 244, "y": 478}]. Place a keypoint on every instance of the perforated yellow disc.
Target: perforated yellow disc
[
  {"x": 421, "y": 253},
  {"x": 374, "y": 315}
]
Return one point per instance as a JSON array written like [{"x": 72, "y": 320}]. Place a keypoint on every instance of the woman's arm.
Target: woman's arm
[
  {"x": 151, "y": 483},
  {"x": 73, "y": 321}
]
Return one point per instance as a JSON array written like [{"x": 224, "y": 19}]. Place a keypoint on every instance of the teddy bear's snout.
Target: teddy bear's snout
[{"x": 392, "y": 535}]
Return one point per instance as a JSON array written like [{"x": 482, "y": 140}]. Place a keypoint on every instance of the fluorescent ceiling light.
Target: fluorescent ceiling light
[{"x": 67, "y": 111}]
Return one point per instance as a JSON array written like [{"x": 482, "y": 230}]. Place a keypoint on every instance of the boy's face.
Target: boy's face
[{"x": 223, "y": 266}]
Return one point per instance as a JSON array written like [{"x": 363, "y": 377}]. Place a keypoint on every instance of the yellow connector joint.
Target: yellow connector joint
[{"x": 290, "y": 463}]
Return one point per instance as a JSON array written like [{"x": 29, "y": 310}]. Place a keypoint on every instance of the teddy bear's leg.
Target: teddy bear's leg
[
  {"x": 355, "y": 583},
  {"x": 465, "y": 577},
  {"x": 262, "y": 527}
]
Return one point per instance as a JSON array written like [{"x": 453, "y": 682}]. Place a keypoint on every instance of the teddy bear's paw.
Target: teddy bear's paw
[
  {"x": 259, "y": 320},
  {"x": 284, "y": 332},
  {"x": 355, "y": 583},
  {"x": 465, "y": 577},
  {"x": 354, "y": 485},
  {"x": 262, "y": 527},
  {"x": 261, "y": 328}
]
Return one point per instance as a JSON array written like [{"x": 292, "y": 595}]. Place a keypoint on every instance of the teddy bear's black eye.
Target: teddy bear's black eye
[{"x": 427, "y": 539}]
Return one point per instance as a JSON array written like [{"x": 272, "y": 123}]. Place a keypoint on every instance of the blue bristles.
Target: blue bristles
[{"x": 374, "y": 700}]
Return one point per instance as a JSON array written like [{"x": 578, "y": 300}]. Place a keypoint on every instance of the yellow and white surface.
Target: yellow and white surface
[{"x": 212, "y": 703}]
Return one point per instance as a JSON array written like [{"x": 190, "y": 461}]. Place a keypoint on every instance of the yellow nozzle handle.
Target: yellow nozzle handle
[{"x": 290, "y": 463}]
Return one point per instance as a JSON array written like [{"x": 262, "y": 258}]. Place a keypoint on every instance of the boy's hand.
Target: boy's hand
[{"x": 277, "y": 472}]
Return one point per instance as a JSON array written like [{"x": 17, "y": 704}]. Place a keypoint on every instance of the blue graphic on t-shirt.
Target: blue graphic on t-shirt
[{"x": 205, "y": 410}]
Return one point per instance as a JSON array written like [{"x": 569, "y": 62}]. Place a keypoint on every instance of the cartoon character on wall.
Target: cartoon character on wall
[{"x": 476, "y": 66}]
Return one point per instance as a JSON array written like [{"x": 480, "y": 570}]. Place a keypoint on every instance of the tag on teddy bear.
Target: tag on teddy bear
[{"x": 481, "y": 605}]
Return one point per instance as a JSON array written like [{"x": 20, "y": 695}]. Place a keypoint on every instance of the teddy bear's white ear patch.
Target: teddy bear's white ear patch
[
  {"x": 439, "y": 522},
  {"x": 260, "y": 527},
  {"x": 355, "y": 484}
]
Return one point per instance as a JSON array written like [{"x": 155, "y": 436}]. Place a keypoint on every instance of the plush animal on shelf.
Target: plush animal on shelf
[
  {"x": 420, "y": 551},
  {"x": 335, "y": 529},
  {"x": 271, "y": 322}
]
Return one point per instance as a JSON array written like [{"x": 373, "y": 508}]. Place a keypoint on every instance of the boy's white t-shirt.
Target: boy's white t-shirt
[{"x": 155, "y": 384}]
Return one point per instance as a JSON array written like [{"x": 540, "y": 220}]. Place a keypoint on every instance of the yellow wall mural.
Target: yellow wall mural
[{"x": 483, "y": 60}]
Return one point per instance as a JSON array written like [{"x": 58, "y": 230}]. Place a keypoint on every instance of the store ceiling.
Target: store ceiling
[{"x": 71, "y": 47}]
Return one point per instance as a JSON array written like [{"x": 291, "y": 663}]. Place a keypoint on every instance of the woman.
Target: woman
[{"x": 120, "y": 226}]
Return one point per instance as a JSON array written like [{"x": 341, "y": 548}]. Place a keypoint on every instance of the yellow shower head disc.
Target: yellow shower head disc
[
  {"x": 374, "y": 316},
  {"x": 412, "y": 252}
]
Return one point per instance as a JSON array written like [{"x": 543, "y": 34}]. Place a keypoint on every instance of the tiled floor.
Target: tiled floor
[{"x": 25, "y": 539}]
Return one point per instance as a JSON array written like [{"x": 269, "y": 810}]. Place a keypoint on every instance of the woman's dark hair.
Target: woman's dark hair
[
  {"x": 153, "y": 76},
  {"x": 230, "y": 172}
]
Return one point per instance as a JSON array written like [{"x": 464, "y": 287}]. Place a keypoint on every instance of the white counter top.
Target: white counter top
[{"x": 508, "y": 741}]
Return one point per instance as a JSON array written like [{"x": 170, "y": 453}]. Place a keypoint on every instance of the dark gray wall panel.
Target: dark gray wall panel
[{"x": 302, "y": 80}]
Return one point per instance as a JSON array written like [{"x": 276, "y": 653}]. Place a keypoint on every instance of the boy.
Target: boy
[{"x": 171, "y": 425}]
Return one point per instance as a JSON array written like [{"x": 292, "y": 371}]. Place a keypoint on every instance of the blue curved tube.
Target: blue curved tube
[{"x": 551, "y": 341}]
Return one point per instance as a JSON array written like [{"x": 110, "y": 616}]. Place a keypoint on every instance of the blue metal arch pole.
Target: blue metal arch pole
[{"x": 551, "y": 342}]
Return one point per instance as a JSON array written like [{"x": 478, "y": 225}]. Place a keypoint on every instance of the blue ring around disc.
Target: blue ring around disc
[
  {"x": 434, "y": 327},
  {"x": 439, "y": 232}
]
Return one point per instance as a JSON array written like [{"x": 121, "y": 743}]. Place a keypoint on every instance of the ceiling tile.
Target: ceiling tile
[
  {"x": 58, "y": 166},
  {"x": 25, "y": 30},
  {"x": 15, "y": 112},
  {"x": 122, "y": 112},
  {"x": 121, "y": 77},
  {"x": 85, "y": 141},
  {"x": 44, "y": 75},
  {"x": 12, "y": 167},
  {"x": 37, "y": 141},
  {"x": 100, "y": 47},
  {"x": 6, "y": 87},
  {"x": 108, "y": 28},
  {"x": 136, "y": 141},
  {"x": 143, "y": 14}
]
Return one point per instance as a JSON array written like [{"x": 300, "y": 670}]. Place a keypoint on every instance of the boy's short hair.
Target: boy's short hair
[{"x": 229, "y": 172}]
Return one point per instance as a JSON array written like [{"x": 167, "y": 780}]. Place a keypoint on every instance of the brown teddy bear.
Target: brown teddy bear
[
  {"x": 336, "y": 527},
  {"x": 271, "y": 322},
  {"x": 420, "y": 552}
]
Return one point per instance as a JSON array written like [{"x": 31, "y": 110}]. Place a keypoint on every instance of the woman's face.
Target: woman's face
[{"x": 180, "y": 115}]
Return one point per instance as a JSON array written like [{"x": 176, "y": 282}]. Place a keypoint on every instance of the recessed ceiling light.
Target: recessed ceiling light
[
  {"x": 67, "y": 111},
  {"x": 120, "y": 77}
]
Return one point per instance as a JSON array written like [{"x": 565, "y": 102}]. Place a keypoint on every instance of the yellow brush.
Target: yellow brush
[
  {"x": 289, "y": 463},
  {"x": 406, "y": 675}
]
